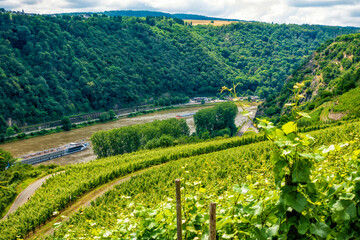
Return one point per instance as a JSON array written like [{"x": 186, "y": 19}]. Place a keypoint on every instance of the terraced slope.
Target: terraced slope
[
  {"x": 331, "y": 77},
  {"x": 144, "y": 207}
]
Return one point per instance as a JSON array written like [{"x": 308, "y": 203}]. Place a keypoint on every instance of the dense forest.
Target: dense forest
[
  {"x": 331, "y": 78},
  {"x": 51, "y": 66}
]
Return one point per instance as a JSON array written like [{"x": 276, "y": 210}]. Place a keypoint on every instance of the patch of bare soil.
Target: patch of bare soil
[{"x": 336, "y": 116}]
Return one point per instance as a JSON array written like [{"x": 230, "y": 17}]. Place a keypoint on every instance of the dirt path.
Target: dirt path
[
  {"x": 84, "y": 201},
  {"x": 248, "y": 124},
  {"x": 245, "y": 127},
  {"x": 336, "y": 115},
  {"x": 24, "y": 196}
]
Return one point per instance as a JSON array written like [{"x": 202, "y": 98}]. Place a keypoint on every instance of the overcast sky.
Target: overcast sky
[{"x": 326, "y": 12}]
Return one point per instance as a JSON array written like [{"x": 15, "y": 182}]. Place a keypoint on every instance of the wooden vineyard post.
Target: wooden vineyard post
[
  {"x": 212, "y": 221},
  {"x": 178, "y": 210}
]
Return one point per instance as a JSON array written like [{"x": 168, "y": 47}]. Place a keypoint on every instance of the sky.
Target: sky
[{"x": 324, "y": 12}]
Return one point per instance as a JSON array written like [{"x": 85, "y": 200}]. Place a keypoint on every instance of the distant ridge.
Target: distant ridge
[{"x": 131, "y": 13}]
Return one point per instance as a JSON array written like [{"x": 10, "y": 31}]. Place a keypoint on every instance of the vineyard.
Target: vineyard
[
  {"x": 239, "y": 180},
  {"x": 349, "y": 100},
  {"x": 222, "y": 171},
  {"x": 76, "y": 180}
]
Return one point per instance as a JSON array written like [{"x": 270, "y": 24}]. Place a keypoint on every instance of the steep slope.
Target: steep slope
[
  {"x": 331, "y": 77},
  {"x": 62, "y": 65},
  {"x": 51, "y": 66}
]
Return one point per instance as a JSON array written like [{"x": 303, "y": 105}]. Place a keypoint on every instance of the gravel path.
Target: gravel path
[
  {"x": 248, "y": 124},
  {"x": 84, "y": 201},
  {"x": 24, "y": 196},
  {"x": 244, "y": 128}
]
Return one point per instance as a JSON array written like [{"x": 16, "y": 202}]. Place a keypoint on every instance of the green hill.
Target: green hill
[
  {"x": 239, "y": 178},
  {"x": 51, "y": 66},
  {"x": 144, "y": 13},
  {"x": 332, "y": 79},
  {"x": 129, "y": 13}
]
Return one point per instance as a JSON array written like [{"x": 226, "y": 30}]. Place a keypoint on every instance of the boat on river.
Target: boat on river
[
  {"x": 52, "y": 153},
  {"x": 185, "y": 115}
]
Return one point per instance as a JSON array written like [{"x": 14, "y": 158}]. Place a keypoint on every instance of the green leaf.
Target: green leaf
[
  {"x": 272, "y": 231},
  {"x": 307, "y": 155},
  {"x": 343, "y": 210},
  {"x": 278, "y": 170},
  {"x": 304, "y": 225},
  {"x": 356, "y": 153},
  {"x": 151, "y": 225},
  {"x": 289, "y": 127},
  {"x": 257, "y": 209},
  {"x": 228, "y": 236},
  {"x": 347, "y": 196},
  {"x": 243, "y": 189},
  {"x": 245, "y": 113},
  {"x": 320, "y": 229},
  {"x": 304, "y": 114},
  {"x": 301, "y": 172},
  {"x": 296, "y": 201}
]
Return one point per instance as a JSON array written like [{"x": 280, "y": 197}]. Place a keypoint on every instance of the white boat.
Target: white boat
[
  {"x": 52, "y": 153},
  {"x": 185, "y": 115}
]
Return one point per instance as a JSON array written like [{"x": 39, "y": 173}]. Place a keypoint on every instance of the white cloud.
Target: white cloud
[{"x": 326, "y": 12}]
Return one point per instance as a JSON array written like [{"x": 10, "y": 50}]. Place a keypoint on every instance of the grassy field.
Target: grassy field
[{"x": 211, "y": 22}]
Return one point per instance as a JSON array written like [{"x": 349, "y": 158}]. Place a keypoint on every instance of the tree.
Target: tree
[
  {"x": 5, "y": 159},
  {"x": 166, "y": 141},
  {"x": 16, "y": 128},
  {"x": 111, "y": 114},
  {"x": 10, "y": 131},
  {"x": 104, "y": 116},
  {"x": 66, "y": 123},
  {"x": 215, "y": 119}
]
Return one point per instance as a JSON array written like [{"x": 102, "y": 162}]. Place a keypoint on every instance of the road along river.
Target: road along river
[{"x": 27, "y": 146}]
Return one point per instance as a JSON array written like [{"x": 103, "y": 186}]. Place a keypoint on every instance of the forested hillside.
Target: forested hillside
[
  {"x": 55, "y": 66},
  {"x": 331, "y": 78},
  {"x": 144, "y": 13}
]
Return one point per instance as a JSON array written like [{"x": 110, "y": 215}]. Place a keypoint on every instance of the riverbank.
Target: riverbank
[
  {"x": 27, "y": 146},
  {"x": 50, "y": 130}
]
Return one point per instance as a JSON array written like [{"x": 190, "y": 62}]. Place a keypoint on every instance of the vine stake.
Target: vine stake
[
  {"x": 212, "y": 221},
  {"x": 178, "y": 209}
]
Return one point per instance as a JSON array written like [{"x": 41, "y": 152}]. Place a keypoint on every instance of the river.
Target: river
[{"x": 27, "y": 146}]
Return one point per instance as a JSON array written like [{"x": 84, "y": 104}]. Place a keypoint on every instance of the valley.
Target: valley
[
  {"x": 27, "y": 146},
  {"x": 288, "y": 167}
]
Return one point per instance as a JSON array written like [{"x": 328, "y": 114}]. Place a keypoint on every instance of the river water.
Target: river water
[{"x": 27, "y": 146}]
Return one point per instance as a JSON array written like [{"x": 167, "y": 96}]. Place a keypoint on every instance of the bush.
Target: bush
[
  {"x": 166, "y": 141},
  {"x": 66, "y": 123},
  {"x": 217, "y": 118},
  {"x": 129, "y": 139}
]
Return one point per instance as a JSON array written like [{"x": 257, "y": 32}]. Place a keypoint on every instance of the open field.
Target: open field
[{"x": 207, "y": 22}]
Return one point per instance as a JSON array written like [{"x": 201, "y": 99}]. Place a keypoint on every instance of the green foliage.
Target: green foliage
[
  {"x": 66, "y": 124},
  {"x": 349, "y": 102},
  {"x": 241, "y": 182},
  {"x": 16, "y": 128},
  {"x": 213, "y": 120},
  {"x": 104, "y": 117},
  {"x": 302, "y": 208},
  {"x": 130, "y": 139},
  {"x": 5, "y": 159},
  {"x": 334, "y": 71},
  {"x": 111, "y": 114},
  {"x": 15, "y": 175},
  {"x": 81, "y": 178},
  {"x": 10, "y": 131},
  {"x": 159, "y": 59}
]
